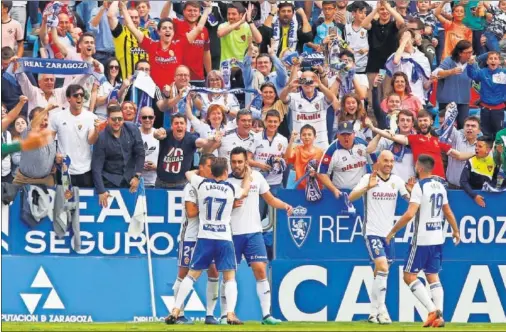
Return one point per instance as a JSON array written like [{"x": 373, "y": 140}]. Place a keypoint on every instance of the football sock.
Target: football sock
[
  {"x": 420, "y": 292},
  {"x": 437, "y": 292},
  {"x": 374, "y": 297},
  {"x": 213, "y": 285},
  {"x": 381, "y": 288},
  {"x": 175, "y": 288},
  {"x": 264, "y": 295},
  {"x": 223, "y": 299},
  {"x": 184, "y": 290},
  {"x": 231, "y": 294}
]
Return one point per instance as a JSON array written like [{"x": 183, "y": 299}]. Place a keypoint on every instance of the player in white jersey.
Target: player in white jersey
[
  {"x": 429, "y": 202},
  {"x": 381, "y": 189},
  {"x": 242, "y": 136},
  {"x": 310, "y": 106},
  {"x": 247, "y": 229},
  {"x": 187, "y": 240},
  {"x": 216, "y": 199}
]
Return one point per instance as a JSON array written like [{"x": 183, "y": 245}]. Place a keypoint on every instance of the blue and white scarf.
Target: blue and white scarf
[
  {"x": 417, "y": 71},
  {"x": 488, "y": 188},
  {"x": 445, "y": 129},
  {"x": 226, "y": 70},
  {"x": 399, "y": 150},
  {"x": 292, "y": 34},
  {"x": 57, "y": 67},
  {"x": 65, "y": 177},
  {"x": 312, "y": 190},
  {"x": 278, "y": 164}
]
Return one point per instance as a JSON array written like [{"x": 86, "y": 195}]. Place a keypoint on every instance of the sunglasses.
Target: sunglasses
[
  {"x": 117, "y": 119},
  {"x": 147, "y": 117},
  {"x": 113, "y": 67},
  {"x": 77, "y": 95}
]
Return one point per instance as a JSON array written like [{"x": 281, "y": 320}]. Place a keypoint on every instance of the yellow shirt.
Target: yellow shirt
[{"x": 284, "y": 37}]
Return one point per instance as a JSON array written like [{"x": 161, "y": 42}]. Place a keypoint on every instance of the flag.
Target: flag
[{"x": 136, "y": 226}]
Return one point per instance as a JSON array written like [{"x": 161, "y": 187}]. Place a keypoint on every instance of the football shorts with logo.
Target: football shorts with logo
[
  {"x": 424, "y": 258},
  {"x": 378, "y": 247},
  {"x": 185, "y": 255},
  {"x": 208, "y": 251},
  {"x": 251, "y": 246}
]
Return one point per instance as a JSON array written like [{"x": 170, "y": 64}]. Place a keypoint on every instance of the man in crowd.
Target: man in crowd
[
  {"x": 118, "y": 155},
  {"x": 12, "y": 31},
  {"x": 99, "y": 25},
  {"x": 177, "y": 149},
  {"x": 127, "y": 48},
  {"x": 151, "y": 146},
  {"x": 289, "y": 30},
  {"x": 77, "y": 131},
  {"x": 11, "y": 88}
]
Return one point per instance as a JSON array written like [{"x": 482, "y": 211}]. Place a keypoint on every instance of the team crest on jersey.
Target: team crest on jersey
[
  {"x": 393, "y": 185},
  {"x": 362, "y": 33},
  {"x": 317, "y": 106},
  {"x": 299, "y": 225},
  {"x": 243, "y": 37},
  {"x": 280, "y": 146},
  {"x": 490, "y": 167},
  {"x": 360, "y": 152},
  {"x": 79, "y": 127},
  {"x": 300, "y": 106},
  {"x": 186, "y": 260}
]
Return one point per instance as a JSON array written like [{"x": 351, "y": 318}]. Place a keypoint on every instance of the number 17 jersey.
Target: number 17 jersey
[
  {"x": 216, "y": 200},
  {"x": 431, "y": 195}
]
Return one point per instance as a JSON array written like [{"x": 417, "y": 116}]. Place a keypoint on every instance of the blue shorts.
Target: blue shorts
[
  {"x": 185, "y": 253},
  {"x": 252, "y": 246},
  {"x": 378, "y": 247},
  {"x": 220, "y": 251},
  {"x": 424, "y": 258}
]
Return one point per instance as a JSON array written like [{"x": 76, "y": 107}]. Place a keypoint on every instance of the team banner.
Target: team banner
[
  {"x": 323, "y": 230},
  {"x": 58, "y": 67}
]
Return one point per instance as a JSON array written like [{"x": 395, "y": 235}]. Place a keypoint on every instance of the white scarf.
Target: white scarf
[{"x": 292, "y": 33}]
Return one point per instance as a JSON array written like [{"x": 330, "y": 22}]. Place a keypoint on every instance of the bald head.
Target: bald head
[
  {"x": 147, "y": 118},
  {"x": 385, "y": 162}
]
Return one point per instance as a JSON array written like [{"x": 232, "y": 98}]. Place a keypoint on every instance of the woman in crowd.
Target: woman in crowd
[
  {"x": 271, "y": 101},
  {"x": 228, "y": 100},
  {"x": 400, "y": 85},
  {"x": 129, "y": 110},
  {"x": 112, "y": 72},
  {"x": 19, "y": 127},
  {"x": 454, "y": 85},
  {"x": 353, "y": 110}
]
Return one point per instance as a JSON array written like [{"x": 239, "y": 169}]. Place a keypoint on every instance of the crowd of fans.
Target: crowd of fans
[{"x": 318, "y": 87}]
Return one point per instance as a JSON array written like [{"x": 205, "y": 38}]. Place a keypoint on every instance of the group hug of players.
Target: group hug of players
[{"x": 223, "y": 225}]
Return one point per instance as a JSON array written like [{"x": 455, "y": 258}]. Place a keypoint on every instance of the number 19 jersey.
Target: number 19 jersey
[
  {"x": 216, "y": 200},
  {"x": 431, "y": 195}
]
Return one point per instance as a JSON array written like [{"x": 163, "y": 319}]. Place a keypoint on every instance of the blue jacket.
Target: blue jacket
[
  {"x": 454, "y": 88},
  {"x": 491, "y": 93}
]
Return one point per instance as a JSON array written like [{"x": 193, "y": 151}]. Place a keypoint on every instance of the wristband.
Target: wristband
[
  {"x": 250, "y": 22},
  {"x": 271, "y": 14}
]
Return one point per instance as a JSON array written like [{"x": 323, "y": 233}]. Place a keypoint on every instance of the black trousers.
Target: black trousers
[
  {"x": 492, "y": 121},
  {"x": 84, "y": 180}
]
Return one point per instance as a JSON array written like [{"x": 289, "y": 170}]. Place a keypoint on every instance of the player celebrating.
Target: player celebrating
[
  {"x": 382, "y": 188},
  {"x": 247, "y": 230},
  {"x": 428, "y": 200},
  {"x": 188, "y": 239},
  {"x": 216, "y": 199}
]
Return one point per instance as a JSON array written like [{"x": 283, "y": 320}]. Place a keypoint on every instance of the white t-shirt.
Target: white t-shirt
[
  {"x": 231, "y": 140},
  {"x": 345, "y": 167},
  {"x": 190, "y": 226},
  {"x": 73, "y": 134},
  {"x": 6, "y": 161},
  {"x": 380, "y": 203},
  {"x": 431, "y": 195},
  {"x": 246, "y": 219},
  {"x": 405, "y": 168},
  {"x": 229, "y": 100},
  {"x": 357, "y": 40},
  {"x": 265, "y": 149},
  {"x": 151, "y": 149},
  {"x": 216, "y": 200},
  {"x": 313, "y": 112},
  {"x": 103, "y": 91}
]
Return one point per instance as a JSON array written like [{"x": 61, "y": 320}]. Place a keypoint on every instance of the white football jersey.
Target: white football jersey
[
  {"x": 216, "y": 200},
  {"x": 246, "y": 218},
  {"x": 431, "y": 195},
  {"x": 190, "y": 226},
  {"x": 345, "y": 167},
  {"x": 313, "y": 112},
  {"x": 357, "y": 40},
  {"x": 380, "y": 203},
  {"x": 231, "y": 140},
  {"x": 265, "y": 149}
]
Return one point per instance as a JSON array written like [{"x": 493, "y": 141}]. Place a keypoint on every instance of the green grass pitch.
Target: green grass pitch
[{"x": 249, "y": 326}]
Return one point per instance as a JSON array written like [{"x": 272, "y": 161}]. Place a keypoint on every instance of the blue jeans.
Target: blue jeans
[{"x": 492, "y": 43}]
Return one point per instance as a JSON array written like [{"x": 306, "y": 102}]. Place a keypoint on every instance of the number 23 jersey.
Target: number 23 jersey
[
  {"x": 431, "y": 195},
  {"x": 216, "y": 200}
]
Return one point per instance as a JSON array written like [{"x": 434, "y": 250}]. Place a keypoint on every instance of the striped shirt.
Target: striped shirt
[
  {"x": 127, "y": 49},
  {"x": 455, "y": 167}
]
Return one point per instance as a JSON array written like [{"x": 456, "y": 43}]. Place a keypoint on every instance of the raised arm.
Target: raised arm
[
  {"x": 438, "y": 14},
  {"x": 112, "y": 15},
  {"x": 129, "y": 23},
  {"x": 195, "y": 32},
  {"x": 57, "y": 42},
  {"x": 289, "y": 154},
  {"x": 398, "y": 138},
  {"x": 292, "y": 87},
  {"x": 367, "y": 22},
  {"x": 329, "y": 96},
  {"x": 399, "y": 20},
  {"x": 167, "y": 7},
  {"x": 13, "y": 114},
  {"x": 257, "y": 36},
  {"x": 224, "y": 30},
  {"x": 373, "y": 145}
]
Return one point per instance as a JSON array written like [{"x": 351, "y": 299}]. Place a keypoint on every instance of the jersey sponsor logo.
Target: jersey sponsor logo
[
  {"x": 384, "y": 196},
  {"x": 353, "y": 166},
  {"x": 306, "y": 117},
  {"x": 163, "y": 60},
  {"x": 299, "y": 225},
  {"x": 326, "y": 160},
  {"x": 136, "y": 51},
  {"x": 173, "y": 160},
  {"x": 215, "y": 228},
  {"x": 433, "y": 225}
]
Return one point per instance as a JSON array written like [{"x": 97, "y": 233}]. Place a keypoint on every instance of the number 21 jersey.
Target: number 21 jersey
[{"x": 431, "y": 195}]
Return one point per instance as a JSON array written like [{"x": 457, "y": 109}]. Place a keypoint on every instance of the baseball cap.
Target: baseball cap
[{"x": 345, "y": 127}]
